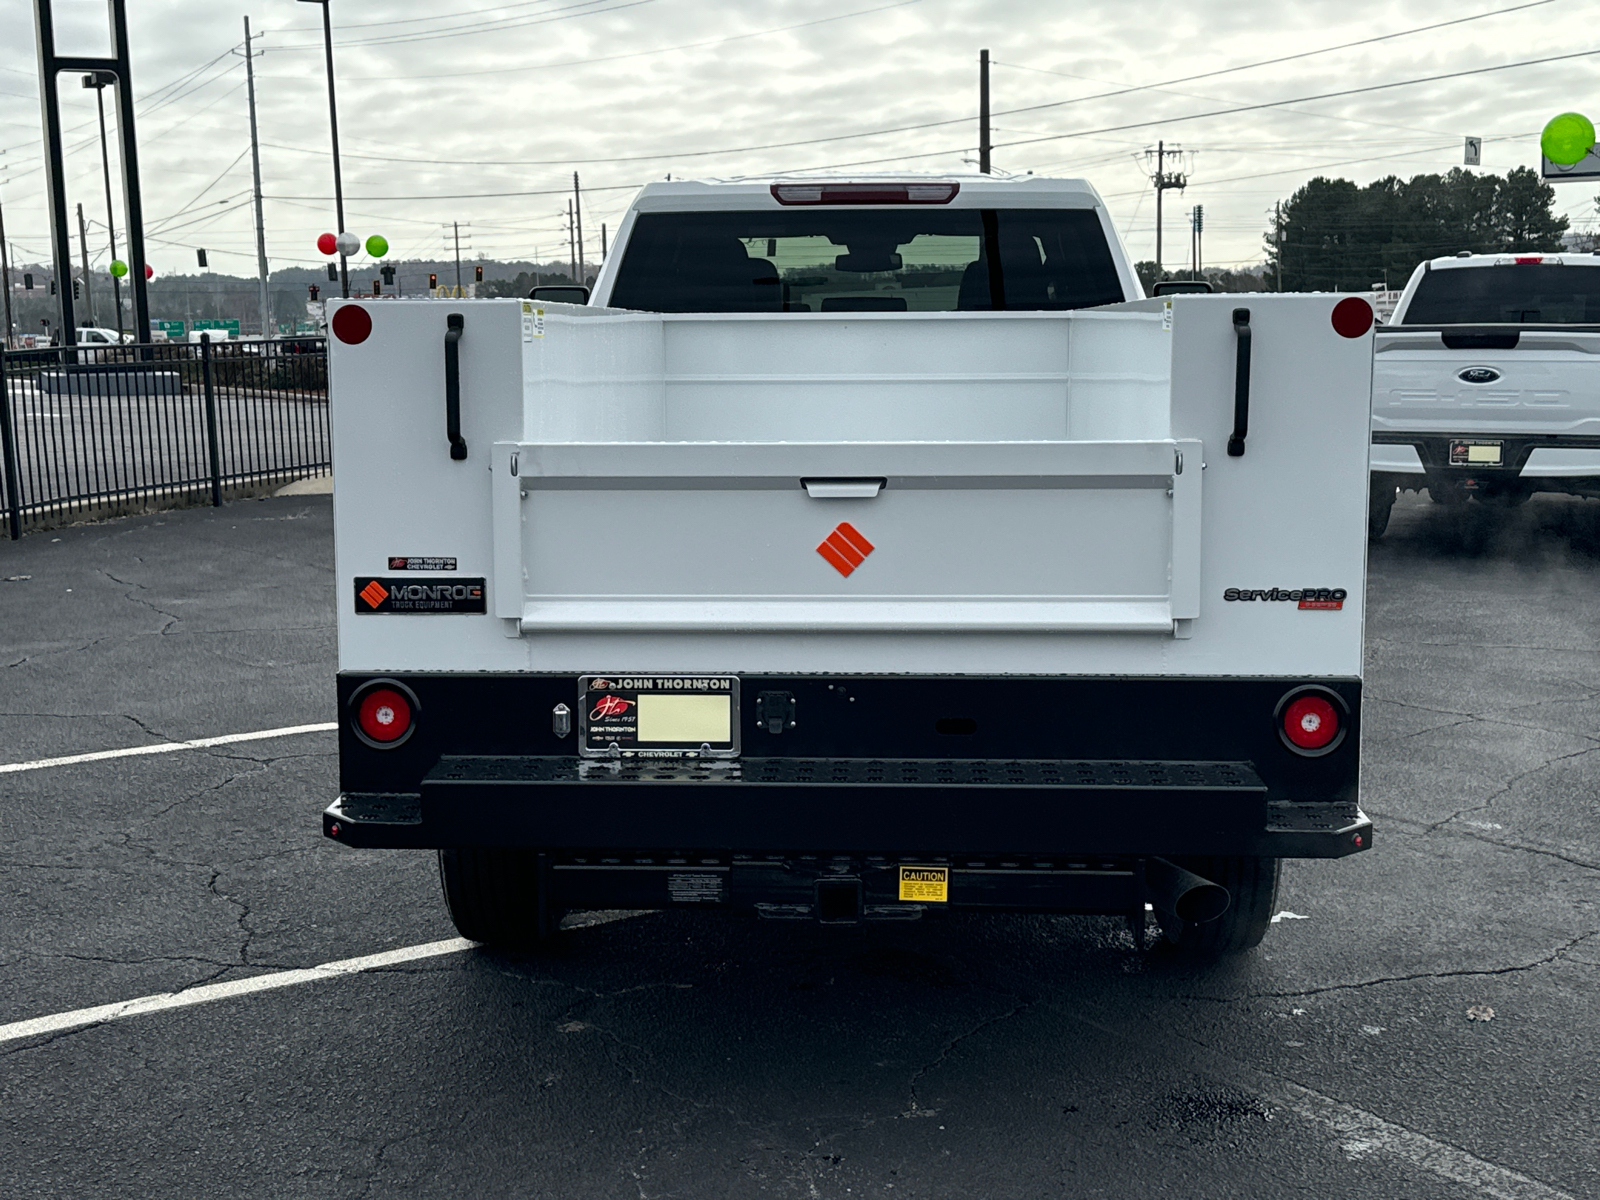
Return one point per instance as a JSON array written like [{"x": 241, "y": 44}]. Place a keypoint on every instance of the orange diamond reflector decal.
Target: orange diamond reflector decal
[
  {"x": 845, "y": 548},
  {"x": 374, "y": 593}
]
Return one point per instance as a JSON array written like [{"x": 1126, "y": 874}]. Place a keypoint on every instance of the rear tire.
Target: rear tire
[
  {"x": 1380, "y": 505},
  {"x": 494, "y": 895},
  {"x": 1252, "y": 885}
]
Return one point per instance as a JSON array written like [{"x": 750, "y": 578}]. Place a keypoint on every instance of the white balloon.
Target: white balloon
[{"x": 348, "y": 243}]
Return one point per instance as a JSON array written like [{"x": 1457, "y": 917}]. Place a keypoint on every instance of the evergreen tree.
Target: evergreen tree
[{"x": 1335, "y": 236}]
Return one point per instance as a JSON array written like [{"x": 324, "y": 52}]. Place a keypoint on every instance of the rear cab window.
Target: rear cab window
[
  {"x": 867, "y": 260},
  {"x": 1515, "y": 294}
]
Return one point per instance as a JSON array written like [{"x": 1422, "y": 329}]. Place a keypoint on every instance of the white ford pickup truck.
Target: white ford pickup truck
[
  {"x": 866, "y": 549},
  {"x": 1486, "y": 383}
]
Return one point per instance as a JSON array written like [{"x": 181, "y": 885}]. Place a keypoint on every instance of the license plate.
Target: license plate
[
  {"x": 658, "y": 716},
  {"x": 1472, "y": 452}
]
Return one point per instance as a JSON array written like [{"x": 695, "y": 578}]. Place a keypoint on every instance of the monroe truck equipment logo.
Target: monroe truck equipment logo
[
  {"x": 424, "y": 596},
  {"x": 845, "y": 548},
  {"x": 1308, "y": 598}
]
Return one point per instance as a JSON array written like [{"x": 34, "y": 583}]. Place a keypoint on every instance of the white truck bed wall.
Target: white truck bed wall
[{"x": 633, "y": 489}]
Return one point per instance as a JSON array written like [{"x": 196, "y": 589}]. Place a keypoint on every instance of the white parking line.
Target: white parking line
[
  {"x": 227, "y": 739},
  {"x": 1363, "y": 1133},
  {"x": 162, "y": 1001}
]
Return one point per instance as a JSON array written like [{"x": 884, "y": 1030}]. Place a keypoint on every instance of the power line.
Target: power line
[
  {"x": 584, "y": 62},
  {"x": 485, "y": 26}
]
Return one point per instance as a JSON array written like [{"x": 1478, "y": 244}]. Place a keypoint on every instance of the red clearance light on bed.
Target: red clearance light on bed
[
  {"x": 865, "y": 193},
  {"x": 1529, "y": 258}
]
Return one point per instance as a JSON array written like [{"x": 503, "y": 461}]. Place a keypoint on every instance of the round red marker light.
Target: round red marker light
[
  {"x": 384, "y": 715},
  {"x": 1352, "y": 317},
  {"x": 1310, "y": 722},
  {"x": 352, "y": 324}
]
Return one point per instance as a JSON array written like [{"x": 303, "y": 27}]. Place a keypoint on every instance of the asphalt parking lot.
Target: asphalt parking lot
[{"x": 689, "y": 1056}]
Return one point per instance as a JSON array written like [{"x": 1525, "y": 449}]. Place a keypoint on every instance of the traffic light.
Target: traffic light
[
  {"x": 27, "y": 281},
  {"x": 477, "y": 273},
  {"x": 52, "y": 287},
  {"x": 377, "y": 288},
  {"x": 433, "y": 281},
  {"x": 202, "y": 256},
  {"x": 333, "y": 273},
  {"x": 75, "y": 291},
  {"x": 314, "y": 290}
]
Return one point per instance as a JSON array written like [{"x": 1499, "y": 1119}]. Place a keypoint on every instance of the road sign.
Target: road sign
[
  {"x": 1586, "y": 168},
  {"x": 1473, "y": 157},
  {"x": 231, "y": 325},
  {"x": 170, "y": 328}
]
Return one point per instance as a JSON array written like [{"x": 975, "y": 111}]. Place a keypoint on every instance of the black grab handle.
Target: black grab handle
[
  {"x": 454, "y": 324},
  {"x": 1241, "y": 383}
]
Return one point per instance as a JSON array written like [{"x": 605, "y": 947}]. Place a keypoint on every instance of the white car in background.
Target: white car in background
[{"x": 93, "y": 335}]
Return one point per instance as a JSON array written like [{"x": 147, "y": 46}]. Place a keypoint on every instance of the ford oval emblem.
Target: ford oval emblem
[{"x": 1478, "y": 375}]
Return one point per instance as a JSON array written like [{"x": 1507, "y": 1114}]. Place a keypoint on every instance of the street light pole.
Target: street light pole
[
  {"x": 333, "y": 125},
  {"x": 99, "y": 81}
]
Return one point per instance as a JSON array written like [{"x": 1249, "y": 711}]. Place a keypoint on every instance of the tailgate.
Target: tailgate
[
  {"x": 864, "y": 536},
  {"x": 1491, "y": 379}
]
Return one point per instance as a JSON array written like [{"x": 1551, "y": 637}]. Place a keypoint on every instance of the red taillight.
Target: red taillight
[
  {"x": 384, "y": 715},
  {"x": 1310, "y": 722},
  {"x": 1529, "y": 258},
  {"x": 865, "y": 193}
]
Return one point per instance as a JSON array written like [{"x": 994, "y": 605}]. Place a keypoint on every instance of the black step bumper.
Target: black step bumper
[{"x": 929, "y": 808}]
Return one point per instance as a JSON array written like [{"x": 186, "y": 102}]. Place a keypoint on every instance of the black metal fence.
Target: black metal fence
[{"x": 99, "y": 431}]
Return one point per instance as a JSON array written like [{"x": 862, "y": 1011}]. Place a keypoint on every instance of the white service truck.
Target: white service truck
[
  {"x": 1486, "y": 383},
  {"x": 866, "y": 549}
]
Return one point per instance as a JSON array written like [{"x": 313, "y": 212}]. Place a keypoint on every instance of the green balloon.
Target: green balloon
[
  {"x": 1567, "y": 138},
  {"x": 378, "y": 245},
  {"x": 119, "y": 268}
]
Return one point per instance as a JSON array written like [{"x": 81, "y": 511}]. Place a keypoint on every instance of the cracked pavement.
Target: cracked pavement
[{"x": 685, "y": 1055}]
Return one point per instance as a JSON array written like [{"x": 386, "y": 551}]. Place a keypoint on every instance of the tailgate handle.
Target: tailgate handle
[
  {"x": 454, "y": 325},
  {"x": 843, "y": 489},
  {"x": 1241, "y": 383}
]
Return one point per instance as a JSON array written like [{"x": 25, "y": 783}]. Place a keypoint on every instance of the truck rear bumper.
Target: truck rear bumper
[
  {"x": 904, "y": 810},
  {"x": 1551, "y": 462}
]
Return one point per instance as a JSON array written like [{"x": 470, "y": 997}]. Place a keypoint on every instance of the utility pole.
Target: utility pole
[
  {"x": 984, "y": 146},
  {"x": 83, "y": 249},
  {"x": 572, "y": 249},
  {"x": 5, "y": 276},
  {"x": 99, "y": 81},
  {"x": 1277, "y": 227},
  {"x": 456, "y": 229},
  {"x": 1164, "y": 179},
  {"x": 577, "y": 201},
  {"x": 255, "y": 167},
  {"x": 1199, "y": 237},
  {"x": 602, "y": 241}
]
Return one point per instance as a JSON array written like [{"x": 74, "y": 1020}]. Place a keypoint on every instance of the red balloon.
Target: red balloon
[
  {"x": 149, "y": 271},
  {"x": 327, "y": 243}
]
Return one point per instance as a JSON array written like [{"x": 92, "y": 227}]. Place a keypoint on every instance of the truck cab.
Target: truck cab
[
  {"x": 866, "y": 549},
  {"x": 1485, "y": 381}
]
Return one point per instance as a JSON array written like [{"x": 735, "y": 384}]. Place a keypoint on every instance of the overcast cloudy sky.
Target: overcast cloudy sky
[{"x": 480, "y": 116}]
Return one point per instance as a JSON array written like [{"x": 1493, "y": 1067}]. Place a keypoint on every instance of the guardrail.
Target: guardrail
[{"x": 99, "y": 431}]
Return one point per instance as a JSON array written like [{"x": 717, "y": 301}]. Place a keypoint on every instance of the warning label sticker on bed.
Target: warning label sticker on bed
[{"x": 928, "y": 884}]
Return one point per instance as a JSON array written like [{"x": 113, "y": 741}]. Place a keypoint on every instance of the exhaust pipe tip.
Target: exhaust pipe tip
[{"x": 1182, "y": 893}]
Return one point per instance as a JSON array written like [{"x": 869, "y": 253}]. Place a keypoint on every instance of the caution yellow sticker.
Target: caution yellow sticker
[{"x": 929, "y": 884}]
